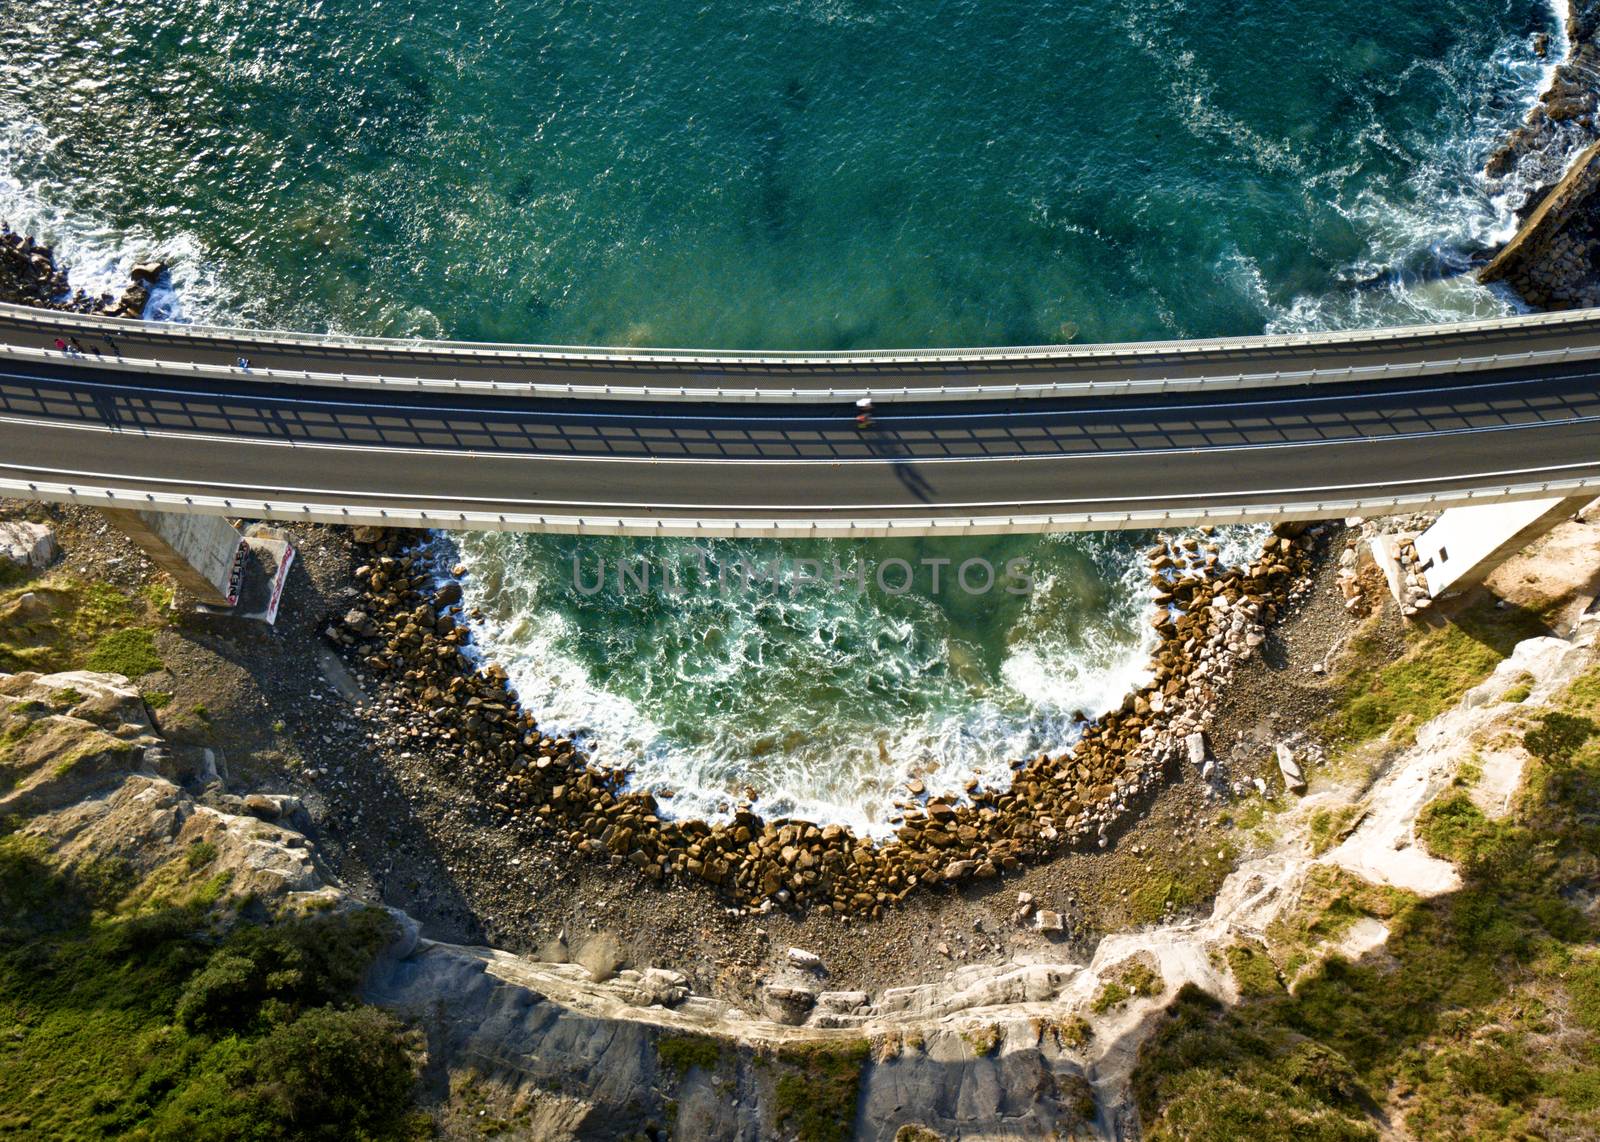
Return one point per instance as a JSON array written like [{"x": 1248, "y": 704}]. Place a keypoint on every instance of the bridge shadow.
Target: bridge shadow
[{"x": 914, "y": 434}]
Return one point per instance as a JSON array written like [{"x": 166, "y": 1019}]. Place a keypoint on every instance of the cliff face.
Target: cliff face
[
  {"x": 1553, "y": 260},
  {"x": 555, "y": 1050}
]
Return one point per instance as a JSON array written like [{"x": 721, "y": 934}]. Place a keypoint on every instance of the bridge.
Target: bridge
[{"x": 239, "y": 423}]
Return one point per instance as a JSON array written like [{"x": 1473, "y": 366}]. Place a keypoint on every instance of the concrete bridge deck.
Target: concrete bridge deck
[{"x": 1174, "y": 433}]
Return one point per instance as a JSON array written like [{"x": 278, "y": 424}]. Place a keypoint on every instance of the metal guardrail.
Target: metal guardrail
[
  {"x": 599, "y": 356},
  {"x": 1369, "y": 499},
  {"x": 1347, "y": 374}
]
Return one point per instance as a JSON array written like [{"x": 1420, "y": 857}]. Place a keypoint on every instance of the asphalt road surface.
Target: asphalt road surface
[{"x": 70, "y": 422}]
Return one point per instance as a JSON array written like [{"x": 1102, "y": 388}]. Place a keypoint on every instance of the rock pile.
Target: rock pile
[
  {"x": 29, "y": 276},
  {"x": 409, "y": 634},
  {"x": 1413, "y": 593}
]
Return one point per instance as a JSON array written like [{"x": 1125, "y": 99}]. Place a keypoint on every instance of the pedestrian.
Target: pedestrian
[
  {"x": 77, "y": 349},
  {"x": 61, "y": 346},
  {"x": 244, "y": 363},
  {"x": 864, "y": 413}
]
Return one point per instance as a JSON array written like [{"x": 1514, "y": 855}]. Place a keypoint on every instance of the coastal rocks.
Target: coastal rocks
[
  {"x": 31, "y": 546},
  {"x": 1552, "y": 260},
  {"x": 29, "y": 276},
  {"x": 402, "y": 636}
]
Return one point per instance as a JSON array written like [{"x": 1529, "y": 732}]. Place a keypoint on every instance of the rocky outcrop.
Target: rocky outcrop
[
  {"x": 1551, "y": 262},
  {"x": 30, "y": 546},
  {"x": 408, "y": 634},
  {"x": 30, "y": 276},
  {"x": 1563, "y": 118}
]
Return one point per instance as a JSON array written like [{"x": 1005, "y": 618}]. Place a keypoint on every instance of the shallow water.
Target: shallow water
[{"x": 804, "y": 174}]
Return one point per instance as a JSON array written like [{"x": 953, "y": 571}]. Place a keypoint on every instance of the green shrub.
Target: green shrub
[
  {"x": 130, "y": 652},
  {"x": 200, "y": 855},
  {"x": 682, "y": 1053},
  {"x": 328, "y": 1073},
  {"x": 819, "y": 1094},
  {"x": 1559, "y": 737}
]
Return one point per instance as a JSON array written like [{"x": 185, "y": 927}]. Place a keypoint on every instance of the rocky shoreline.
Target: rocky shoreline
[
  {"x": 1552, "y": 261},
  {"x": 30, "y": 276},
  {"x": 411, "y": 638}
]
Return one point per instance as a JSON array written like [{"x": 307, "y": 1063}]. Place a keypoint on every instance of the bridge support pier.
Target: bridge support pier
[
  {"x": 202, "y": 553},
  {"x": 1464, "y": 546}
]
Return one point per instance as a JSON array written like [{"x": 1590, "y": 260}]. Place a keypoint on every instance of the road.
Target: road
[{"x": 252, "y": 445}]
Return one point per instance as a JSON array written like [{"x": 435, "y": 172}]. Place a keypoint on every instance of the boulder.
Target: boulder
[
  {"x": 1195, "y": 743},
  {"x": 786, "y": 1003},
  {"x": 659, "y": 987},
  {"x": 1293, "y": 778},
  {"x": 801, "y": 958},
  {"x": 29, "y": 545},
  {"x": 1046, "y": 920}
]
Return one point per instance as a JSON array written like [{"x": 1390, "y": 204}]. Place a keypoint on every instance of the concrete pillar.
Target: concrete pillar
[
  {"x": 1465, "y": 544},
  {"x": 200, "y": 552}
]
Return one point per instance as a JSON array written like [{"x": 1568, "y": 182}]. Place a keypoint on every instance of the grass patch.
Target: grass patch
[
  {"x": 817, "y": 1097},
  {"x": 983, "y": 1040},
  {"x": 682, "y": 1053},
  {"x": 70, "y": 621},
  {"x": 1071, "y": 1032},
  {"x": 157, "y": 699},
  {"x": 1330, "y": 826},
  {"x": 131, "y": 653},
  {"x": 200, "y": 855},
  {"x": 1253, "y": 970},
  {"x": 1132, "y": 979},
  {"x": 1439, "y": 664},
  {"x": 1186, "y": 878}
]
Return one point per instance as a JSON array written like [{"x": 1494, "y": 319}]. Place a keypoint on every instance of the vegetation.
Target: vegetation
[
  {"x": 141, "y": 1013},
  {"x": 1330, "y": 826},
  {"x": 1439, "y": 664},
  {"x": 817, "y": 1097},
  {"x": 1182, "y": 878},
  {"x": 1498, "y": 1033},
  {"x": 682, "y": 1053},
  {"x": 131, "y": 653},
  {"x": 1132, "y": 978},
  {"x": 69, "y": 624},
  {"x": 983, "y": 1040}
]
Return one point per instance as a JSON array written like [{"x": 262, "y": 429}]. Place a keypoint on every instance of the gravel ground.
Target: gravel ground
[{"x": 394, "y": 826}]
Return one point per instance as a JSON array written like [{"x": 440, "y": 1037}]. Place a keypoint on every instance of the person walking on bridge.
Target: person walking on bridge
[{"x": 864, "y": 413}]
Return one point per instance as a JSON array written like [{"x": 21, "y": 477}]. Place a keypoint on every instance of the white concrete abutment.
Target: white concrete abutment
[{"x": 202, "y": 553}]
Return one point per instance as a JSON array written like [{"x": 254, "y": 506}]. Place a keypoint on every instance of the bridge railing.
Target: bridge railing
[
  {"x": 450, "y": 513},
  {"x": 19, "y": 357},
  {"x": 53, "y": 323}
]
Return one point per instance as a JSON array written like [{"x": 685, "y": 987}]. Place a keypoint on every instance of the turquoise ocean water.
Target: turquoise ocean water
[{"x": 809, "y": 174}]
